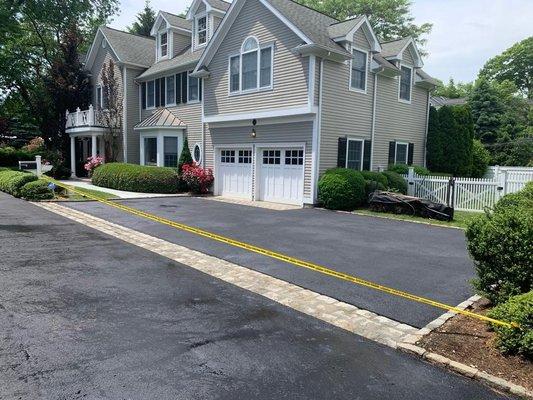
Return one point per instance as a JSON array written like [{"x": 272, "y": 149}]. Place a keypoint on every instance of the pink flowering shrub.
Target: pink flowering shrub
[
  {"x": 198, "y": 180},
  {"x": 93, "y": 163}
]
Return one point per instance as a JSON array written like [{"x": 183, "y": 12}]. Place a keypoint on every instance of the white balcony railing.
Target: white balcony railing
[{"x": 84, "y": 118}]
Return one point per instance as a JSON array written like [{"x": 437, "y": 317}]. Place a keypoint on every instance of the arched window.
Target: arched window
[{"x": 251, "y": 69}]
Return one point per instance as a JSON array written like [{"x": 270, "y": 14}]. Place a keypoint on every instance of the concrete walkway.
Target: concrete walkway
[{"x": 86, "y": 184}]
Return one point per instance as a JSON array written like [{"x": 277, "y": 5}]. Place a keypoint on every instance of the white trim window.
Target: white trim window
[
  {"x": 405, "y": 83},
  {"x": 150, "y": 94},
  {"x": 252, "y": 69},
  {"x": 358, "y": 70},
  {"x": 193, "y": 89},
  {"x": 354, "y": 154},
  {"x": 197, "y": 153},
  {"x": 170, "y": 151},
  {"x": 150, "y": 150},
  {"x": 200, "y": 27},
  {"x": 163, "y": 44},
  {"x": 401, "y": 153},
  {"x": 170, "y": 98},
  {"x": 99, "y": 97}
]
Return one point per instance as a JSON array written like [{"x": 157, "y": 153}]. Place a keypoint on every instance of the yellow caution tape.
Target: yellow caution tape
[{"x": 288, "y": 259}]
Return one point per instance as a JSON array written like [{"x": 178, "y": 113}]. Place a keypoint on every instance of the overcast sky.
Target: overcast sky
[{"x": 466, "y": 33}]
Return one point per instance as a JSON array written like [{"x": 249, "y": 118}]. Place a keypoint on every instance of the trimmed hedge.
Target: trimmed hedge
[
  {"x": 522, "y": 198},
  {"x": 9, "y": 156},
  {"x": 341, "y": 189},
  {"x": 12, "y": 181},
  {"x": 376, "y": 177},
  {"x": 136, "y": 178},
  {"x": 395, "y": 181},
  {"x": 36, "y": 190},
  {"x": 404, "y": 169},
  {"x": 517, "y": 309}
]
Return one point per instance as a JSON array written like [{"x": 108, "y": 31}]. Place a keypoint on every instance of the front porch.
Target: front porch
[{"x": 86, "y": 131}]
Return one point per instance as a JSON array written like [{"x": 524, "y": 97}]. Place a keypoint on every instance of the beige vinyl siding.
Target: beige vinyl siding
[
  {"x": 398, "y": 121},
  {"x": 179, "y": 43},
  {"x": 344, "y": 112},
  {"x": 132, "y": 115},
  {"x": 407, "y": 57},
  {"x": 216, "y": 22},
  {"x": 295, "y": 132},
  {"x": 289, "y": 83}
]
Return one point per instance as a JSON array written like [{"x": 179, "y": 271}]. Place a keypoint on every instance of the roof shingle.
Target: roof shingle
[
  {"x": 177, "y": 21},
  {"x": 181, "y": 60},
  {"x": 130, "y": 48}
]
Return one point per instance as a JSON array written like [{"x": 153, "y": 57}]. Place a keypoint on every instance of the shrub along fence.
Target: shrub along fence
[{"x": 466, "y": 194}]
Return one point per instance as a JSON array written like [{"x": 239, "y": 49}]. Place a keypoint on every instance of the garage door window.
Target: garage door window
[
  {"x": 245, "y": 156},
  {"x": 227, "y": 156},
  {"x": 272, "y": 157},
  {"x": 294, "y": 157}
]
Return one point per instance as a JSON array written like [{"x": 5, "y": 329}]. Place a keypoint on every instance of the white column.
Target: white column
[
  {"x": 160, "y": 145},
  {"x": 411, "y": 182},
  {"x": 73, "y": 156},
  {"x": 93, "y": 145}
]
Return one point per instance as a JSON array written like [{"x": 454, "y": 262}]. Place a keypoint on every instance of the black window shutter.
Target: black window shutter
[
  {"x": 200, "y": 89},
  {"x": 178, "y": 88},
  {"x": 157, "y": 93},
  {"x": 143, "y": 95},
  {"x": 341, "y": 153},
  {"x": 163, "y": 82},
  {"x": 410, "y": 154},
  {"x": 366, "y": 155},
  {"x": 184, "y": 87},
  {"x": 392, "y": 152}
]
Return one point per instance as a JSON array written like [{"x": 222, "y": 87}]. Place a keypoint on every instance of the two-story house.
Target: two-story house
[{"x": 269, "y": 94}]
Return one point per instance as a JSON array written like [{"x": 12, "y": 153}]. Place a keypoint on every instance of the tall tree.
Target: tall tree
[
  {"x": 145, "y": 21},
  {"x": 515, "y": 64},
  {"x": 391, "y": 19},
  {"x": 461, "y": 141},
  {"x": 454, "y": 90},
  {"x": 487, "y": 111}
]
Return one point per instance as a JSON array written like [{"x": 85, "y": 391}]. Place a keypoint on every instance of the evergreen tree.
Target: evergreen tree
[
  {"x": 448, "y": 131},
  {"x": 435, "y": 142},
  {"x": 480, "y": 159},
  {"x": 487, "y": 111},
  {"x": 461, "y": 142},
  {"x": 145, "y": 21},
  {"x": 185, "y": 157}
]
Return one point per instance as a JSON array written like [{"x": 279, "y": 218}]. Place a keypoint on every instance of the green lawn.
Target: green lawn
[
  {"x": 461, "y": 218},
  {"x": 70, "y": 195}
]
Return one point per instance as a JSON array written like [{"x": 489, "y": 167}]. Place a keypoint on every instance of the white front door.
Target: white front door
[
  {"x": 234, "y": 170},
  {"x": 281, "y": 175}
]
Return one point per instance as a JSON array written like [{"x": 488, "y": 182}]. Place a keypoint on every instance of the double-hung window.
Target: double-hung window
[
  {"x": 401, "y": 153},
  {"x": 98, "y": 97},
  {"x": 358, "y": 77},
  {"x": 171, "y": 90},
  {"x": 193, "y": 88},
  {"x": 150, "y": 94},
  {"x": 354, "y": 154},
  {"x": 163, "y": 44},
  {"x": 252, "y": 68},
  {"x": 170, "y": 150},
  {"x": 405, "y": 83},
  {"x": 201, "y": 30}
]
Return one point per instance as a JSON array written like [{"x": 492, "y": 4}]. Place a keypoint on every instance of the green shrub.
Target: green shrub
[
  {"x": 517, "y": 309},
  {"x": 480, "y": 160},
  {"x": 501, "y": 245},
  {"x": 136, "y": 178},
  {"x": 375, "y": 176},
  {"x": 185, "y": 156},
  {"x": 522, "y": 198},
  {"x": 9, "y": 156},
  {"x": 403, "y": 169},
  {"x": 395, "y": 182},
  {"x": 59, "y": 171},
  {"x": 371, "y": 187},
  {"x": 12, "y": 181},
  {"x": 36, "y": 190},
  {"x": 341, "y": 189}
]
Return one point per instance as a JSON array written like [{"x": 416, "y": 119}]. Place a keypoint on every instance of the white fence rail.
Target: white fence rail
[{"x": 469, "y": 194}]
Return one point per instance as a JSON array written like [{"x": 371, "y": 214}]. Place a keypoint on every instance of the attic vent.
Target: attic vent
[{"x": 104, "y": 43}]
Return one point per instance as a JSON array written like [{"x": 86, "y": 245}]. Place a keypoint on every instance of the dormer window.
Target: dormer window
[
  {"x": 163, "y": 44},
  {"x": 201, "y": 30},
  {"x": 404, "y": 92}
]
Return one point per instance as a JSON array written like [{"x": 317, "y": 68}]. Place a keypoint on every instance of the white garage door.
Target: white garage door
[
  {"x": 235, "y": 173},
  {"x": 281, "y": 176}
]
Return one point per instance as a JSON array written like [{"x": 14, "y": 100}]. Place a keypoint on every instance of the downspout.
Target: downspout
[
  {"x": 427, "y": 128},
  {"x": 125, "y": 117},
  {"x": 319, "y": 123},
  {"x": 203, "y": 125},
  {"x": 373, "y": 126}
]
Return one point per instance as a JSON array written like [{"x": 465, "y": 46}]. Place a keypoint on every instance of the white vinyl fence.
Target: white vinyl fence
[{"x": 469, "y": 194}]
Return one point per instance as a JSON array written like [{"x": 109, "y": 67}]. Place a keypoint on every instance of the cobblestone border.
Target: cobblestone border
[
  {"x": 409, "y": 346},
  {"x": 343, "y": 315}
]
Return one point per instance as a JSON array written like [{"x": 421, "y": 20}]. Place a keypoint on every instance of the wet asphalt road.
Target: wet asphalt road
[
  {"x": 86, "y": 316},
  {"x": 424, "y": 260}
]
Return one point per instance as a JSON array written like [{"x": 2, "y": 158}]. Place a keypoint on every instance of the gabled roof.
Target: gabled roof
[
  {"x": 394, "y": 50},
  {"x": 216, "y": 5},
  {"x": 219, "y": 4},
  {"x": 342, "y": 28},
  {"x": 172, "y": 20},
  {"x": 344, "y": 31},
  {"x": 162, "y": 118},
  {"x": 185, "y": 58},
  {"x": 128, "y": 48}
]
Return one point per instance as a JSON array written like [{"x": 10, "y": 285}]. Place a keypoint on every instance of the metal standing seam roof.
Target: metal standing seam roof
[
  {"x": 177, "y": 21},
  {"x": 161, "y": 118},
  {"x": 130, "y": 48}
]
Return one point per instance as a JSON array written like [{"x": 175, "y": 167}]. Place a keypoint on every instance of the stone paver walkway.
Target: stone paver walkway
[{"x": 328, "y": 309}]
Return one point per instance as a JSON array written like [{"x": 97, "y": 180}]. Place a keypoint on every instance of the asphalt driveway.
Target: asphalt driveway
[
  {"x": 424, "y": 260},
  {"x": 86, "y": 316}
]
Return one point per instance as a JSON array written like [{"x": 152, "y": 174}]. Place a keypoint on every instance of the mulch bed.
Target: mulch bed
[{"x": 471, "y": 342}]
